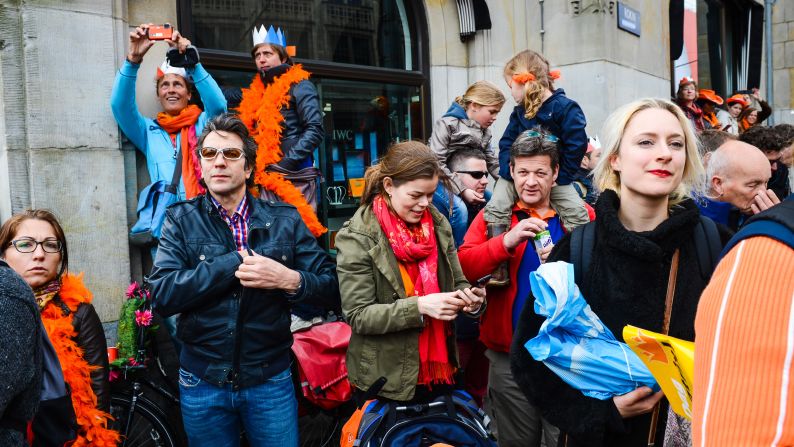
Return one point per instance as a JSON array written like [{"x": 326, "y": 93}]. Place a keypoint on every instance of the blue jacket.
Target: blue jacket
[
  {"x": 147, "y": 136},
  {"x": 721, "y": 212},
  {"x": 223, "y": 325},
  {"x": 562, "y": 117}
]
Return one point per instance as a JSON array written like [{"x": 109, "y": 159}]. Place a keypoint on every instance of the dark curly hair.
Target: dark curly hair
[
  {"x": 765, "y": 138},
  {"x": 785, "y": 133}
]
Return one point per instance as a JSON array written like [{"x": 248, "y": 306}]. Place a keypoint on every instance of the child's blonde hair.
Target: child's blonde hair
[
  {"x": 483, "y": 93},
  {"x": 535, "y": 64}
]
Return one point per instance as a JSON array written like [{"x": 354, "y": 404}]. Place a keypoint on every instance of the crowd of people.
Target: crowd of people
[{"x": 433, "y": 270}]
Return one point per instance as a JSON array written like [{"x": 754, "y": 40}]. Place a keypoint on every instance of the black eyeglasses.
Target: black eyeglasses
[
  {"x": 476, "y": 174},
  {"x": 229, "y": 153},
  {"x": 28, "y": 245}
]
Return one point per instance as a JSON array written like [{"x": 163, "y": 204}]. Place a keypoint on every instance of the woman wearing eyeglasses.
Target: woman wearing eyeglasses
[{"x": 34, "y": 245}]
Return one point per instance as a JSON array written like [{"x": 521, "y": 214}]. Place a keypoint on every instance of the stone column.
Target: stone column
[{"x": 60, "y": 144}]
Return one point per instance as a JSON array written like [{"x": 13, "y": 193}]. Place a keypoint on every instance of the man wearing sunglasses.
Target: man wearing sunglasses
[
  {"x": 233, "y": 265},
  {"x": 471, "y": 172}
]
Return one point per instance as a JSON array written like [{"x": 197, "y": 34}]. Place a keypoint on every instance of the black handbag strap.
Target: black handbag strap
[{"x": 174, "y": 186}]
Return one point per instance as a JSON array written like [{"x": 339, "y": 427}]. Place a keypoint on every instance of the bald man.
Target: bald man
[{"x": 737, "y": 175}]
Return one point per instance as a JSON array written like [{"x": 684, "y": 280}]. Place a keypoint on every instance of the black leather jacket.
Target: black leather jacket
[
  {"x": 91, "y": 338},
  {"x": 233, "y": 334}
]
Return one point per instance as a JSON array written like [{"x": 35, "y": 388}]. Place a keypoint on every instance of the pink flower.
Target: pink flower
[
  {"x": 132, "y": 289},
  {"x": 143, "y": 318},
  {"x": 114, "y": 375},
  {"x": 132, "y": 361}
]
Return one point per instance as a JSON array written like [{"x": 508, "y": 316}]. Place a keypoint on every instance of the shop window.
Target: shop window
[{"x": 368, "y": 60}]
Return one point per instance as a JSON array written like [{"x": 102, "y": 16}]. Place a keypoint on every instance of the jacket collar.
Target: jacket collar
[
  {"x": 655, "y": 244},
  {"x": 260, "y": 217},
  {"x": 365, "y": 222}
]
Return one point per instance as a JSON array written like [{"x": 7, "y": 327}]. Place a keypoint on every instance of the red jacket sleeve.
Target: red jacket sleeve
[{"x": 479, "y": 255}]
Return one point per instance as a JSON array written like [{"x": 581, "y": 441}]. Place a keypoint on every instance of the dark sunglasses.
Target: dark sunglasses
[
  {"x": 229, "y": 153},
  {"x": 475, "y": 174}
]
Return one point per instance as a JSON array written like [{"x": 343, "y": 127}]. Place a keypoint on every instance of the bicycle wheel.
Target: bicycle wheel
[{"x": 149, "y": 427}]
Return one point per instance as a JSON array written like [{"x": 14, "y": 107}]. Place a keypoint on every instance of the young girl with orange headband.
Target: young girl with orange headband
[{"x": 539, "y": 104}]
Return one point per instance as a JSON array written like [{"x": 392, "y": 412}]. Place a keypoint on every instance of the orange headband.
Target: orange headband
[{"x": 523, "y": 78}]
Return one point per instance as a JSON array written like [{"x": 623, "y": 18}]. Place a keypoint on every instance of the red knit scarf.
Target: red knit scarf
[
  {"x": 92, "y": 421},
  {"x": 416, "y": 250},
  {"x": 184, "y": 124}
]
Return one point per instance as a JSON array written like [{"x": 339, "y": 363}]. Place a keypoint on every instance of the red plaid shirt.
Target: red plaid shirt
[{"x": 237, "y": 222}]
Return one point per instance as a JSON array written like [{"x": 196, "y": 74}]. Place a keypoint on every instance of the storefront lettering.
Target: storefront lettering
[{"x": 343, "y": 134}]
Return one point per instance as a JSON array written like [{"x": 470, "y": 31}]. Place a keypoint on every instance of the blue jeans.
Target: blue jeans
[
  {"x": 213, "y": 415},
  {"x": 459, "y": 217}
]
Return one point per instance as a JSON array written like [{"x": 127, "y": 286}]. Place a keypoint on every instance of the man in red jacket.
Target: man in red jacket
[{"x": 534, "y": 164}]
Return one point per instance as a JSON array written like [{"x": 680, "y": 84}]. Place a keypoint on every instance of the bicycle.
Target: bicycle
[
  {"x": 139, "y": 419},
  {"x": 137, "y": 404}
]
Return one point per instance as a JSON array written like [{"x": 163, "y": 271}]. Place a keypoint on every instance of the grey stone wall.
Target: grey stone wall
[
  {"x": 60, "y": 145},
  {"x": 602, "y": 67}
]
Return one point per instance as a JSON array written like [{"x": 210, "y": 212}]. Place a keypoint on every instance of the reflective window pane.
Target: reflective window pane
[{"x": 363, "y": 32}]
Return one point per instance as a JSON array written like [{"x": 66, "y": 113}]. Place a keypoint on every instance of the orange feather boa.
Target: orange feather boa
[
  {"x": 92, "y": 422},
  {"x": 260, "y": 110}
]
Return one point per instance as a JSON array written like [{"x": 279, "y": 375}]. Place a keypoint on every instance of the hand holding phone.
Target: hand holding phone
[{"x": 482, "y": 282}]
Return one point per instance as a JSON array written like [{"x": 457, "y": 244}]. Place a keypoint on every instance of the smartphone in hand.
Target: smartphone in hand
[{"x": 482, "y": 282}]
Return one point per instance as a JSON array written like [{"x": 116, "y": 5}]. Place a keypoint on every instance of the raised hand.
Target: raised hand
[{"x": 139, "y": 43}]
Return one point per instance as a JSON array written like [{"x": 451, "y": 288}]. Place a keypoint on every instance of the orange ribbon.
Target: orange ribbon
[
  {"x": 523, "y": 78},
  {"x": 554, "y": 75}
]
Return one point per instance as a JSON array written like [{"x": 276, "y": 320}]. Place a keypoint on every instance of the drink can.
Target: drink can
[
  {"x": 113, "y": 353},
  {"x": 542, "y": 240}
]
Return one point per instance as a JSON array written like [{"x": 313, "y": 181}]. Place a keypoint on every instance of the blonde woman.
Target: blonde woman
[
  {"x": 466, "y": 126},
  {"x": 648, "y": 168}
]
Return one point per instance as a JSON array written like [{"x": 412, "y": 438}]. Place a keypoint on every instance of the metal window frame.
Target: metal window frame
[{"x": 223, "y": 59}]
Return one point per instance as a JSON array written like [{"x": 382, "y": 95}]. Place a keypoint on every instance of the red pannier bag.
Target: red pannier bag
[{"x": 320, "y": 352}]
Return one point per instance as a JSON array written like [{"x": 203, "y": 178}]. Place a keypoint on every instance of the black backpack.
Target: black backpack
[{"x": 707, "y": 246}]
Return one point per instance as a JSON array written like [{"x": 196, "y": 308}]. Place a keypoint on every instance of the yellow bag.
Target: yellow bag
[{"x": 670, "y": 360}]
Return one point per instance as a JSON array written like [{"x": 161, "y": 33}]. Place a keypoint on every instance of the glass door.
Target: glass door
[{"x": 361, "y": 120}]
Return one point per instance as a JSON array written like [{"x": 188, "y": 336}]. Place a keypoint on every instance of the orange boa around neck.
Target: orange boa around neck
[
  {"x": 184, "y": 124},
  {"x": 92, "y": 422},
  {"x": 260, "y": 110}
]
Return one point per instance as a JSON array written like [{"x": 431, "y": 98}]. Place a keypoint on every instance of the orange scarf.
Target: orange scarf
[
  {"x": 712, "y": 119},
  {"x": 185, "y": 125},
  {"x": 417, "y": 253},
  {"x": 92, "y": 421},
  {"x": 260, "y": 110}
]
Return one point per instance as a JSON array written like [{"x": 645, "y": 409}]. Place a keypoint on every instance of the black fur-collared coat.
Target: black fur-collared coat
[{"x": 626, "y": 283}]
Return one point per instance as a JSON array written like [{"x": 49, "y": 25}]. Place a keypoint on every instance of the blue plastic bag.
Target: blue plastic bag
[{"x": 575, "y": 344}]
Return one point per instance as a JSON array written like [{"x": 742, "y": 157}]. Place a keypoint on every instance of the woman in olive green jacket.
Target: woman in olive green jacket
[{"x": 401, "y": 292}]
